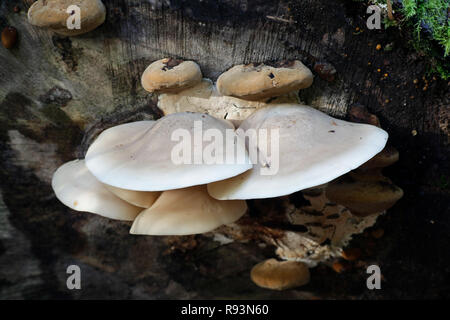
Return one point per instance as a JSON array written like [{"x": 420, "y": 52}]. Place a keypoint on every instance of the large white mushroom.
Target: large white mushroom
[
  {"x": 314, "y": 148},
  {"x": 78, "y": 189},
  {"x": 177, "y": 151},
  {"x": 187, "y": 211}
]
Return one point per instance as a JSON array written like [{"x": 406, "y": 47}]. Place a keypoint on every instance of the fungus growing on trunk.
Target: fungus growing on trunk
[
  {"x": 187, "y": 211},
  {"x": 157, "y": 173},
  {"x": 280, "y": 275},
  {"x": 314, "y": 148},
  {"x": 260, "y": 81},
  {"x": 170, "y": 75},
  {"x": 78, "y": 189},
  {"x": 161, "y": 155}
]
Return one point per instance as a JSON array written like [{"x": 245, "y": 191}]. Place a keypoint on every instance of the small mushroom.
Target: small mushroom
[
  {"x": 187, "y": 211},
  {"x": 9, "y": 37},
  {"x": 314, "y": 148},
  {"x": 52, "y": 14},
  {"x": 388, "y": 156},
  {"x": 363, "y": 197},
  {"x": 142, "y": 199},
  {"x": 280, "y": 275},
  {"x": 140, "y": 156},
  {"x": 260, "y": 81},
  {"x": 170, "y": 75},
  {"x": 78, "y": 189}
]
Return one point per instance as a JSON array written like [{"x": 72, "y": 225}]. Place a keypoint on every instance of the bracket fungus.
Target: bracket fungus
[
  {"x": 388, "y": 156},
  {"x": 142, "y": 199},
  {"x": 187, "y": 211},
  {"x": 260, "y": 81},
  {"x": 170, "y": 75},
  {"x": 364, "y": 193},
  {"x": 280, "y": 275},
  {"x": 78, "y": 189},
  {"x": 53, "y": 14},
  {"x": 313, "y": 148},
  {"x": 155, "y": 173},
  {"x": 142, "y": 157}
]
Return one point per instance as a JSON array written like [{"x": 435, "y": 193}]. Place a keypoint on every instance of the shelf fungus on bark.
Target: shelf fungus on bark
[
  {"x": 365, "y": 190},
  {"x": 187, "y": 211},
  {"x": 362, "y": 195},
  {"x": 170, "y": 75},
  {"x": 54, "y": 15},
  {"x": 259, "y": 81},
  {"x": 160, "y": 155},
  {"x": 280, "y": 275},
  {"x": 78, "y": 189},
  {"x": 312, "y": 148},
  {"x": 169, "y": 188}
]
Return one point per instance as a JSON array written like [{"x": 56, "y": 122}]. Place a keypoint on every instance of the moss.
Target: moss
[{"x": 429, "y": 25}]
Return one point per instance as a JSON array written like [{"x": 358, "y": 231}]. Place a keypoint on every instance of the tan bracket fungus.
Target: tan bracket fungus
[
  {"x": 260, "y": 81},
  {"x": 138, "y": 156},
  {"x": 170, "y": 75},
  {"x": 52, "y": 14},
  {"x": 280, "y": 275}
]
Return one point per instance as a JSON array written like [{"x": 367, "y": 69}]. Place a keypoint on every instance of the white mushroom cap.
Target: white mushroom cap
[
  {"x": 143, "y": 199},
  {"x": 314, "y": 148},
  {"x": 78, "y": 189},
  {"x": 116, "y": 137},
  {"x": 142, "y": 159},
  {"x": 187, "y": 211}
]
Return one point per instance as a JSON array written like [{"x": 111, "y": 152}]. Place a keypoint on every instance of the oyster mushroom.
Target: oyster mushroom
[
  {"x": 280, "y": 275},
  {"x": 52, "y": 14},
  {"x": 170, "y": 75},
  {"x": 187, "y": 211},
  {"x": 142, "y": 199},
  {"x": 260, "y": 81},
  {"x": 314, "y": 148},
  {"x": 362, "y": 196},
  {"x": 388, "y": 156},
  {"x": 78, "y": 189},
  {"x": 166, "y": 154}
]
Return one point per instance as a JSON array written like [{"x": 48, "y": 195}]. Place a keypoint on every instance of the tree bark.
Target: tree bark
[{"x": 57, "y": 92}]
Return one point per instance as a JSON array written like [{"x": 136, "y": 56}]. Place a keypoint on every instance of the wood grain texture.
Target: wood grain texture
[{"x": 57, "y": 93}]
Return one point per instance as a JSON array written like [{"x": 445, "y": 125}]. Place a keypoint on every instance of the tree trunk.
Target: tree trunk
[{"x": 57, "y": 92}]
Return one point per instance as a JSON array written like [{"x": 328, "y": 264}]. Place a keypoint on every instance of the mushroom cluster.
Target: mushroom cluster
[{"x": 129, "y": 172}]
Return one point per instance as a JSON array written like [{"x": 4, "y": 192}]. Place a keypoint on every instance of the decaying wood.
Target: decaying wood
[{"x": 57, "y": 93}]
